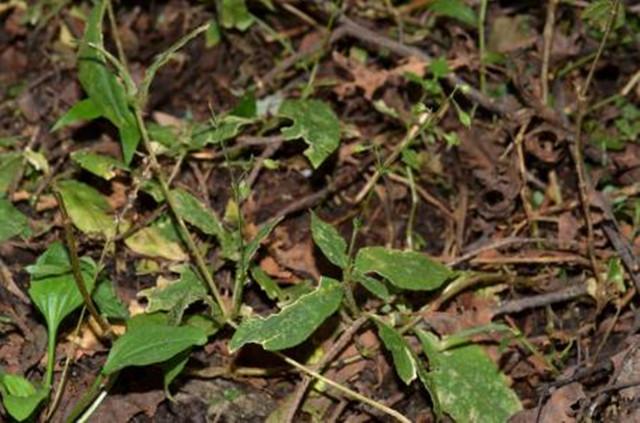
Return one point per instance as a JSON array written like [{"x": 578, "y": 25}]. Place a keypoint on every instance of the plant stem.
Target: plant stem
[
  {"x": 182, "y": 227},
  {"x": 481, "y": 44},
  {"x": 584, "y": 185},
  {"x": 75, "y": 266},
  {"x": 549, "y": 25}
]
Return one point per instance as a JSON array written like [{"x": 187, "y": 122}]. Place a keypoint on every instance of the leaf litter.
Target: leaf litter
[{"x": 489, "y": 185}]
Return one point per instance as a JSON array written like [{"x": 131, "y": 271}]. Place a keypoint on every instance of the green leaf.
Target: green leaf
[
  {"x": 160, "y": 239},
  {"x": 88, "y": 209},
  {"x": 268, "y": 285},
  {"x": 10, "y": 164},
  {"x": 172, "y": 368},
  {"x": 373, "y": 285},
  {"x": 148, "y": 341},
  {"x": 19, "y": 397},
  {"x": 457, "y": 375},
  {"x": 13, "y": 221},
  {"x": 439, "y": 67},
  {"x": 83, "y": 110},
  {"x": 101, "y": 85},
  {"x": 224, "y": 128},
  {"x": 234, "y": 14},
  {"x": 327, "y": 238},
  {"x": 404, "y": 269},
  {"x": 403, "y": 359},
  {"x": 212, "y": 36},
  {"x": 53, "y": 289},
  {"x": 108, "y": 302},
  {"x": 102, "y": 166},
  {"x": 251, "y": 248},
  {"x": 294, "y": 323},
  {"x": 455, "y": 9},
  {"x": 175, "y": 297},
  {"x": 164, "y": 58},
  {"x": 598, "y": 12},
  {"x": 316, "y": 123},
  {"x": 197, "y": 214}
]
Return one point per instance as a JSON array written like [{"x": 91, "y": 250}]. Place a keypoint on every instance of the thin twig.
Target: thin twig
[
  {"x": 336, "y": 348},
  {"x": 547, "y": 34},
  {"x": 535, "y": 301},
  {"x": 584, "y": 185}
]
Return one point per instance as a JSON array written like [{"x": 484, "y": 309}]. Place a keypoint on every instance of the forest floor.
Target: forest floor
[{"x": 508, "y": 154}]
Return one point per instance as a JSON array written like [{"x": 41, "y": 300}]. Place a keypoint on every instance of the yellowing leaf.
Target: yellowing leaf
[
  {"x": 88, "y": 209},
  {"x": 158, "y": 240}
]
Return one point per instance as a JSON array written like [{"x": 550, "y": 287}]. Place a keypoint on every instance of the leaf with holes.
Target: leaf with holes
[
  {"x": 404, "y": 269},
  {"x": 456, "y": 375},
  {"x": 316, "y": 124},
  {"x": 176, "y": 296},
  {"x": 294, "y": 323}
]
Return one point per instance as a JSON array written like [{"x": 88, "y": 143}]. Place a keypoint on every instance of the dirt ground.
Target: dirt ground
[{"x": 522, "y": 181}]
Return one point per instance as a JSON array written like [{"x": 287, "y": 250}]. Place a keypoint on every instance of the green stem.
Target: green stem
[
  {"x": 182, "y": 227},
  {"x": 51, "y": 355},
  {"x": 481, "y": 45},
  {"x": 75, "y": 266}
]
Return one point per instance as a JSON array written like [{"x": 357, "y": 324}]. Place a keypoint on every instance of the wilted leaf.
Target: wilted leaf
[
  {"x": 88, "y": 209},
  {"x": 13, "y": 221},
  {"x": 404, "y": 269},
  {"x": 160, "y": 239},
  {"x": 19, "y": 397},
  {"x": 327, "y": 238},
  {"x": 175, "y": 297},
  {"x": 467, "y": 383},
  {"x": 316, "y": 124},
  {"x": 148, "y": 340},
  {"x": 102, "y": 166},
  {"x": 403, "y": 359},
  {"x": 294, "y": 323},
  {"x": 455, "y": 9}
]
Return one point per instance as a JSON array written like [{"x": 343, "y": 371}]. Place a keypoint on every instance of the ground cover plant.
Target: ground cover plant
[{"x": 313, "y": 210}]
